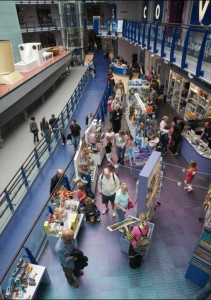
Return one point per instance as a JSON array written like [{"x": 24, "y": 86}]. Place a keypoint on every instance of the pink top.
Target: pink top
[
  {"x": 109, "y": 105},
  {"x": 172, "y": 127},
  {"x": 137, "y": 234},
  {"x": 82, "y": 195},
  {"x": 190, "y": 174}
]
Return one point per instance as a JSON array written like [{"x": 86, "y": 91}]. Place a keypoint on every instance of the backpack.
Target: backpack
[
  {"x": 141, "y": 244},
  {"x": 101, "y": 178}
]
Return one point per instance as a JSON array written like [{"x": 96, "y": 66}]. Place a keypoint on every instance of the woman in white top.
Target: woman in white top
[
  {"x": 121, "y": 202},
  {"x": 120, "y": 140}
]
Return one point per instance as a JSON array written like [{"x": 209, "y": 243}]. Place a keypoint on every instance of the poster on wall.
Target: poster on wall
[
  {"x": 201, "y": 12},
  {"x": 114, "y": 25}
]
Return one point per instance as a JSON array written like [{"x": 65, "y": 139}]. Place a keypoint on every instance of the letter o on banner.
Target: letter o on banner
[
  {"x": 157, "y": 12},
  {"x": 145, "y": 9}
]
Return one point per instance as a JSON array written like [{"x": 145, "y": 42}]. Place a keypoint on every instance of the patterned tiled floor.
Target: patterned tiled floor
[{"x": 162, "y": 275}]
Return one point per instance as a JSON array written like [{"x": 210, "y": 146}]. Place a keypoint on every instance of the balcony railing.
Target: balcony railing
[
  {"x": 30, "y": 26},
  {"x": 13, "y": 194},
  {"x": 187, "y": 46}
]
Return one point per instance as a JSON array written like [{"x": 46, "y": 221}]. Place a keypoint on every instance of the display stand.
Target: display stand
[
  {"x": 99, "y": 155},
  {"x": 149, "y": 184},
  {"x": 78, "y": 160},
  {"x": 54, "y": 230},
  {"x": 125, "y": 243},
  {"x": 200, "y": 263},
  {"x": 16, "y": 282},
  {"x": 189, "y": 101}
]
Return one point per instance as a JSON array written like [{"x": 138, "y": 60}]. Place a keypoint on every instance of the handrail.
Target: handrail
[
  {"x": 17, "y": 180},
  {"x": 46, "y": 204}
]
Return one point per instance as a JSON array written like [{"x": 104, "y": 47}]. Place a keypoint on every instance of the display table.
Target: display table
[
  {"x": 189, "y": 151},
  {"x": 118, "y": 69},
  {"x": 53, "y": 237},
  {"x": 41, "y": 277}
]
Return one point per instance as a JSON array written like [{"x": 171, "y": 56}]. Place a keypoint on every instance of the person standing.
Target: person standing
[
  {"x": 164, "y": 135},
  {"x": 44, "y": 127},
  {"x": 130, "y": 72},
  {"x": 34, "y": 129},
  {"x": 206, "y": 134},
  {"x": 53, "y": 122},
  {"x": 64, "y": 249},
  {"x": 75, "y": 130},
  {"x": 61, "y": 130},
  {"x": 108, "y": 185},
  {"x": 116, "y": 118},
  {"x": 121, "y": 203},
  {"x": 176, "y": 136},
  {"x": 56, "y": 178},
  {"x": 120, "y": 140},
  {"x": 89, "y": 119},
  {"x": 134, "y": 236}
]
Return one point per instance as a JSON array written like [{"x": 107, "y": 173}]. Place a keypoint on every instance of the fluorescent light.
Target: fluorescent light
[{"x": 152, "y": 55}]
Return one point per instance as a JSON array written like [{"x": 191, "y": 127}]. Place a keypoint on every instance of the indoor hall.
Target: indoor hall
[{"x": 162, "y": 274}]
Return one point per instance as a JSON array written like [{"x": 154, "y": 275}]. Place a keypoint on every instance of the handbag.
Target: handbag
[
  {"x": 141, "y": 244},
  {"x": 130, "y": 204}
]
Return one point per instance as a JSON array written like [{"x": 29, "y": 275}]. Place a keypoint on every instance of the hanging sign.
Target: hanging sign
[
  {"x": 145, "y": 10},
  {"x": 158, "y": 10}
]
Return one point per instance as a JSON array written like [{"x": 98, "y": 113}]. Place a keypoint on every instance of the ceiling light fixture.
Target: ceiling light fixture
[{"x": 152, "y": 55}]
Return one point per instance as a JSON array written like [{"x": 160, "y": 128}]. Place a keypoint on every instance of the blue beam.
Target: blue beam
[
  {"x": 96, "y": 26},
  {"x": 185, "y": 49},
  {"x": 163, "y": 54},
  {"x": 155, "y": 50},
  {"x": 143, "y": 36},
  {"x": 139, "y": 34},
  {"x": 148, "y": 38},
  {"x": 174, "y": 37},
  {"x": 199, "y": 71}
]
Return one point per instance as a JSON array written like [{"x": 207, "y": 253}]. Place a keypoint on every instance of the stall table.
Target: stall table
[{"x": 41, "y": 277}]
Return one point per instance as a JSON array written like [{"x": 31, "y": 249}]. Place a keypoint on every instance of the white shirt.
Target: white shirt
[{"x": 162, "y": 125}]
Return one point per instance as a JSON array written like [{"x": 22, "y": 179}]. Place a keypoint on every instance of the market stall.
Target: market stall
[
  {"x": 193, "y": 148},
  {"x": 94, "y": 141},
  {"x": 119, "y": 69}
]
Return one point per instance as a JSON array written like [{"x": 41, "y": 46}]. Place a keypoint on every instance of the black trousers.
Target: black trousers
[
  {"x": 63, "y": 138},
  {"x": 176, "y": 143},
  {"x": 135, "y": 258},
  {"x": 36, "y": 138}
]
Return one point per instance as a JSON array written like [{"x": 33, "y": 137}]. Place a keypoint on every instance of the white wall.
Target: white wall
[
  {"x": 125, "y": 49},
  {"x": 128, "y": 9}
]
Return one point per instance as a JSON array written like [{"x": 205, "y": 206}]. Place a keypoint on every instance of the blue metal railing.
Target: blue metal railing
[
  {"x": 14, "y": 192},
  {"x": 30, "y": 244},
  {"x": 177, "y": 43}
]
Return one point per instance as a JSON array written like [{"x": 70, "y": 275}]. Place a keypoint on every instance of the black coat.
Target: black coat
[{"x": 82, "y": 260}]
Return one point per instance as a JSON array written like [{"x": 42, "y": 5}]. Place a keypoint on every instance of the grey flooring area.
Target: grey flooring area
[{"x": 19, "y": 141}]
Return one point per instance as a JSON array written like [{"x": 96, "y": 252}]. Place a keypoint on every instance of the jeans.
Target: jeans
[
  {"x": 120, "y": 214},
  {"x": 120, "y": 155},
  {"x": 164, "y": 142},
  {"x": 63, "y": 138},
  {"x": 75, "y": 141},
  {"x": 36, "y": 138},
  {"x": 90, "y": 193}
]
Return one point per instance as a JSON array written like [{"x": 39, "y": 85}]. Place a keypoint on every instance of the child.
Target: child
[
  {"x": 86, "y": 179},
  {"x": 109, "y": 103},
  {"x": 92, "y": 210},
  {"x": 190, "y": 174},
  {"x": 108, "y": 149},
  {"x": 82, "y": 195}
]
